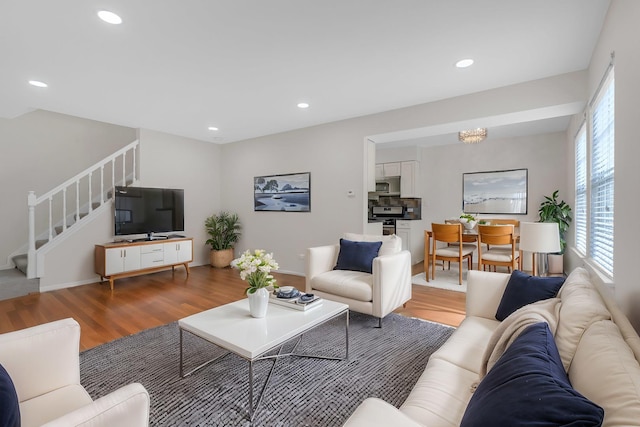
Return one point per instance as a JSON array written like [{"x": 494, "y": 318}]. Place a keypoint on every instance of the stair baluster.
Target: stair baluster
[{"x": 59, "y": 216}]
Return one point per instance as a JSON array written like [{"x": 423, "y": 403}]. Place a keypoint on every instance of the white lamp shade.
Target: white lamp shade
[{"x": 540, "y": 237}]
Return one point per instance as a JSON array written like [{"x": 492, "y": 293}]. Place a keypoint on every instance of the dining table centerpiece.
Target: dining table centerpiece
[
  {"x": 256, "y": 267},
  {"x": 468, "y": 221}
]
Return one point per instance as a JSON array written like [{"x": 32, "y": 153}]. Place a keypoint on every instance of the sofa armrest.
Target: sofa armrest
[
  {"x": 484, "y": 292},
  {"x": 377, "y": 412},
  {"x": 126, "y": 407},
  {"x": 42, "y": 358},
  {"x": 320, "y": 260},
  {"x": 391, "y": 282}
]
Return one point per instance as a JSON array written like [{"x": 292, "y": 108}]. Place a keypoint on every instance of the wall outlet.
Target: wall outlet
[{"x": 301, "y": 256}]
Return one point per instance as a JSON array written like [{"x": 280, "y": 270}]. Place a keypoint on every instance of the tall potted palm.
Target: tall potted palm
[
  {"x": 224, "y": 231},
  {"x": 552, "y": 210}
]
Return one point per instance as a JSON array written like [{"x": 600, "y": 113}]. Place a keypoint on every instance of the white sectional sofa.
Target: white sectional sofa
[{"x": 598, "y": 348}]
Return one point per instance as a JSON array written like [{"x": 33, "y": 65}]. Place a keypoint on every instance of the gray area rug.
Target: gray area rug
[{"x": 382, "y": 363}]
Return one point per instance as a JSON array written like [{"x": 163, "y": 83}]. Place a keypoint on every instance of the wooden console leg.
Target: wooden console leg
[
  {"x": 186, "y": 267},
  {"x": 111, "y": 282}
]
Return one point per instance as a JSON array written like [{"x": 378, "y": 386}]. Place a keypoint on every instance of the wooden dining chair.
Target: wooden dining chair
[
  {"x": 501, "y": 241},
  {"x": 450, "y": 233},
  {"x": 504, "y": 221}
]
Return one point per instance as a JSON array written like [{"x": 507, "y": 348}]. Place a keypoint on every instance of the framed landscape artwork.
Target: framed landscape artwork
[
  {"x": 495, "y": 192},
  {"x": 286, "y": 193}
]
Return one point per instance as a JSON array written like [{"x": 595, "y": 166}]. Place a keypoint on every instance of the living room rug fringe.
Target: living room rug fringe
[{"x": 383, "y": 363}]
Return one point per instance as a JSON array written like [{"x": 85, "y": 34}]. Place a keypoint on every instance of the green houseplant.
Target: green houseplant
[
  {"x": 224, "y": 231},
  {"x": 553, "y": 211},
  {"x": 559, "y": 212}
]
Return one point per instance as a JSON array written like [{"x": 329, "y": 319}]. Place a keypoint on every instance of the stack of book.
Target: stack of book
[{"x": 295, "y": 302}]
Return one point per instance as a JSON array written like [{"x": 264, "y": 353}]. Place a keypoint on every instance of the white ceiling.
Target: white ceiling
[{"x": 180, "y": 66}]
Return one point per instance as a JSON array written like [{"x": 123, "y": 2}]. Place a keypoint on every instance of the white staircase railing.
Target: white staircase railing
[{"x": 57, "y": 208}]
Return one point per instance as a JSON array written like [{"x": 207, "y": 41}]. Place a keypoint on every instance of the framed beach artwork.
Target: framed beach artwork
[
  {"x": 285, "y": 193},
  {"x": 495, "y": 192}
]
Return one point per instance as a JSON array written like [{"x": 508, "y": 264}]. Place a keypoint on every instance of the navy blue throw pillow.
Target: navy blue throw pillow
[
  {"x": 357, "y": 256},
  {"x": 529, "y": 387},
  {"x": 523, "y": 289},
  {"x": 9, "y": 405}
]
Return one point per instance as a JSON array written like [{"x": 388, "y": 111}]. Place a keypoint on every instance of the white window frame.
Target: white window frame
[{"x": 594, "y": 157}]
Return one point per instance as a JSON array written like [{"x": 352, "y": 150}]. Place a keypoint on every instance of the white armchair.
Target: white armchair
[
  {"x": 378, "y": 293},
  {"x": 44, "y": 364}
]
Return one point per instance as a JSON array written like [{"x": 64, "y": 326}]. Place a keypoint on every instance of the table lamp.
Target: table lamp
[{"x": 540, "y": 238}]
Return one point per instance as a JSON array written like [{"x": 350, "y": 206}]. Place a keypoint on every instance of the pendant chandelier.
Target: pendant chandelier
[{"x": 472, "y": 136}]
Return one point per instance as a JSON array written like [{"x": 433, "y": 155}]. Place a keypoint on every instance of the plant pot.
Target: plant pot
[
  {"x": 221, "y": 259},
  {"x": 469, "y": 224},
  {"x": 258, "y": 302},
  {"x": 556, "y": 263}
]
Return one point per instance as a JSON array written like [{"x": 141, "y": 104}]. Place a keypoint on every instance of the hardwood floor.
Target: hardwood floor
[{"x": 143, "y": 302}]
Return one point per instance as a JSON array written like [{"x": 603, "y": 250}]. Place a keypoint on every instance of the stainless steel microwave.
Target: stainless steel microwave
[
  {"x": 388, "y": 186},
  {"x": 382, "y": 187}
]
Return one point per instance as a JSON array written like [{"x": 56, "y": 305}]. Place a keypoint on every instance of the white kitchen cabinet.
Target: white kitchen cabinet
[
  {"x": 412, "y": 234},
  {"x": 386, "y": 170},
  {"x": 409, "y": 178},
  {"x": 124, "y": 259},
  {"x": 391, "y": 169}
]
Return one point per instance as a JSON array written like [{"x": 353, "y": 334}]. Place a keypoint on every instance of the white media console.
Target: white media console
[{"x": 125, "y": 259}]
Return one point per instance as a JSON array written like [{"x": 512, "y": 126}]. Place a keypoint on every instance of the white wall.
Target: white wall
[
  {"x": 195, "y": 166},
  {"x": 442, "y": 167},
  {"x": 620, "y": 34},
  {"x": 333, "y": 154},
  {"x": 165, "y": 161},
  {"x": 40, "y": 150}
]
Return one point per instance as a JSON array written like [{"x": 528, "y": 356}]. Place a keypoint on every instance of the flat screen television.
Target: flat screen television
[{"x": 142, "y": 210}]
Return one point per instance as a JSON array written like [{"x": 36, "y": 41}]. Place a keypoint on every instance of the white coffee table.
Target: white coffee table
[{"x": 231, "y": 327}]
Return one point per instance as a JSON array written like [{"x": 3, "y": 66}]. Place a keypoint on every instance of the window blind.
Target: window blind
[
  {"x": 580, "y": 208},
  {"x": 602, "y": 177}
]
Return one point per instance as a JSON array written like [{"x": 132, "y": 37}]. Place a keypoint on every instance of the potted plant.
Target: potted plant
[
  {"x": 224, "y": 232},
  {"x": 560, "y": 212},
  {"x": 468, "y": 221},
  {"x": 255, "y": 267}
]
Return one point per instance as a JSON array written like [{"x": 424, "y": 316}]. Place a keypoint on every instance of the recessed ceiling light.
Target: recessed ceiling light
[
  {"x": 464, "y": 63},
  {"x": 212, "y": 128},
  {"x": 109, "y": 17},
  {"x": 37, "y": 83},
  {"x": 303, "y": 105}
]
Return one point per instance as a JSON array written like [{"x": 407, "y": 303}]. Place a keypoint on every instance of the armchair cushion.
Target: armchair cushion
[
  {"x": 355, "y": 285},
  {"x": 357, "y": 256},
  {"x": 523, "y": 289},
  {"x": 390, "y": 244},
  {"x": 9, "y": 406}
]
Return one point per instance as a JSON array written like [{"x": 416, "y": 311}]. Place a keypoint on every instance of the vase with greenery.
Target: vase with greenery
[
  {"x": 469, "y": 221},
  {"x": 255, "y": 267},
  {"x": 224, "y": 231},
  {"x": 552, "y": 210}
]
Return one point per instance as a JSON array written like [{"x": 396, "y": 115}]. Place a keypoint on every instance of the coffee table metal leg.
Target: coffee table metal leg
[
  {"x": 252, "y": 410},
  {"x": 182, "y": 373},
  {"x": 346, "y": 336}
]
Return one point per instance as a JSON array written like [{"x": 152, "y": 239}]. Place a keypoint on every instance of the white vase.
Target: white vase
[
  {"x": 258, "y": 302},
  {"x": 469, "y": 224}
]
